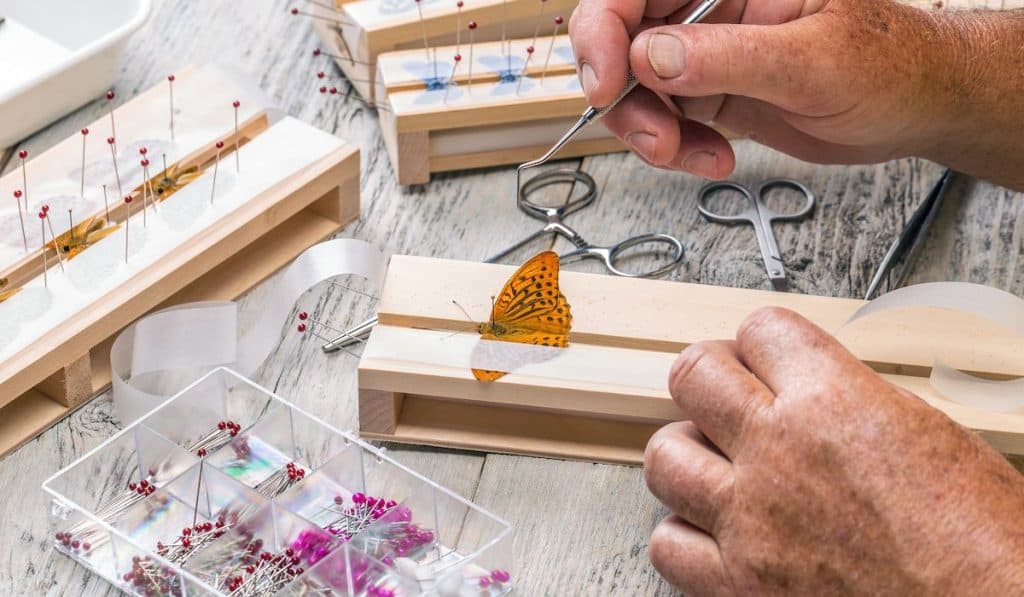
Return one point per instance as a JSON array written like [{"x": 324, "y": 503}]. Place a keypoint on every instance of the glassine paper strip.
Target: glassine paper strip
[
  {"x": 981, "y": 301},
  {"x": 161, "y": 353},
  {"x": 578, "y": 365}
]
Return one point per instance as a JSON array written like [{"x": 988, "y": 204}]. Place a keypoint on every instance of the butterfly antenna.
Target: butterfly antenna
[{"x": 464, "y": 312}]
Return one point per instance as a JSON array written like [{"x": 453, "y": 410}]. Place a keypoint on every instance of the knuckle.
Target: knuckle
[
  {"x": 691, "y": 362},
  {"x": 764, "y": 321}
]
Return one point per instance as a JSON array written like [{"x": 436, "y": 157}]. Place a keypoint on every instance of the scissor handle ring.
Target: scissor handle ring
[
  {"x": 792, "y": 184},
  {"x": 677, "y": 255},
  {"x": 713, "y": 187},
  {"x": 552, "y": 177}
]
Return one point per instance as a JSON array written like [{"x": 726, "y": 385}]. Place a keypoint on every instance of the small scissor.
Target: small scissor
[
  {"x": 554, "y": 217},
  {"x": 760, "y": 216}
]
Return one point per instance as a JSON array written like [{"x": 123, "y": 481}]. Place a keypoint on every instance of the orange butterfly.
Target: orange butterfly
[{"x": 531, "y": 309}]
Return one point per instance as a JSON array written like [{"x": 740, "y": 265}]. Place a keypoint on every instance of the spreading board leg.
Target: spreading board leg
[
  {"x": 379, "y": 411},
  {"x": 71, "y": 385}
]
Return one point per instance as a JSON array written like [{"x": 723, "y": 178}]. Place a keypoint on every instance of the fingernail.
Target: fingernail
[
  {"x": 702, "y": 163},
  {"x": 587, "y": 78},
  {"x": 666, "y": 55},
  {"x": 643, "y": 144}
]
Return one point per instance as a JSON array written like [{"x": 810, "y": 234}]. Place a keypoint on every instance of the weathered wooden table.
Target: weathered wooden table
[{"x": 580, "y": 528}]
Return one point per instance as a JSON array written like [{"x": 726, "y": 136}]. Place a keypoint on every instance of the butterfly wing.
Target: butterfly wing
[
  {"x": 492, "y": 352},
  {"x": 532, "y": 299},
  {"x": 530, "y": 309}
]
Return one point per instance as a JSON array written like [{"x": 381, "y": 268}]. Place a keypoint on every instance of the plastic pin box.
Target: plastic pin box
[{"x": 273, "y": 501}]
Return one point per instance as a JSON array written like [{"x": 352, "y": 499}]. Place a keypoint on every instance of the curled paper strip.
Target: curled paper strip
[
  {"x": 981, "y": 301},
  {"x": 163, "y": 352}
]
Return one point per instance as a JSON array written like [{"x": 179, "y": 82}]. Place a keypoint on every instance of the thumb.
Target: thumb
[{"x": 777, "y": 64}]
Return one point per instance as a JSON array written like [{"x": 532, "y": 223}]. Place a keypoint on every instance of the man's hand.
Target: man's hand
[
  {"x": 832, "y": 81},
  {"x": 803, "y": 472}
]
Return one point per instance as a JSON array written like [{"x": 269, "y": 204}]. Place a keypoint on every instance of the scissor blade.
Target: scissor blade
[{"x": 780, "y": 284}]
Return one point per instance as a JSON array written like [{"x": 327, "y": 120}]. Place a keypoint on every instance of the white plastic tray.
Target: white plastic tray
[{"x": 56, "y": 55}]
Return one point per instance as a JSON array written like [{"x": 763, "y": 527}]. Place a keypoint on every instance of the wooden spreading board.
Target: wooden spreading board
[
  {"x": 630, "y": 325},
  {"x": 488, "y": 122},
  {"x": 372, "y": 27},
  {"x": 50, "y": 377}
]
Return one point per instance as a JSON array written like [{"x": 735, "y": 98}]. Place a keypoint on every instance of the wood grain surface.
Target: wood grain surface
[{"x": 581, "y": 528}]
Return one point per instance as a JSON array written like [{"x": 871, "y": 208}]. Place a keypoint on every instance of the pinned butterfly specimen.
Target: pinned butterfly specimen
[
  {"x": 83, "y": 234},
  {"x": 531, "y": 309},
  {"x": 172, "y": 180}
]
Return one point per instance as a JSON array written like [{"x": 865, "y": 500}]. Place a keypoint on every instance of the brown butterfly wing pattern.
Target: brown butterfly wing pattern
[{"x": 531, "y": 309}]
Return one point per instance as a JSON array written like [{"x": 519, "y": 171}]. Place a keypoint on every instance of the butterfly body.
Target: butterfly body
[{"x": 530, "y": 309}]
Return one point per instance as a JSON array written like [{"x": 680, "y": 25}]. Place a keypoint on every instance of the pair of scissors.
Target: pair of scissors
[
  {"x": 554, "y": 223},
  {"x": 761, "y": 217},
  {"x": 553, "y": 218}
]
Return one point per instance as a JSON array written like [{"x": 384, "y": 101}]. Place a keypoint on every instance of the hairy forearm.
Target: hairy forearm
[{"x": 981, "y": 131}]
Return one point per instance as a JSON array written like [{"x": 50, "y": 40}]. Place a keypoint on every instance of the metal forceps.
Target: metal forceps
[
  {"x": 761, "y": 217},
  {"x": 554, "y": 219}
]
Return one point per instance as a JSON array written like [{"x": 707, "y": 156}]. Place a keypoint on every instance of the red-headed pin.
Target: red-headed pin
[
  {"x": 303, "y": 328},
  {"x": 526, "y": 63},
  {"x": 170, "y": 91},
  {"x": 81, "y": 189},
  {"x": 456, "y": 59},
  {"x": 113, "y": 156},
  {"x": 21, "y": 218},
  {"x": 23, "y": 155},
  {"x": 540, "y": 17},
  {"x": 128, "y": 202},
  {"x": 49, "y": 224},
  {"x": 235, "y": 104},
  {"x": 458, "y": 26},
  {"x": 106, "y": 205},
  {"x": 551, "y": 47},
  {"x": 216, "y": 167},
  {"x": 46, "y": 266},
  {"x": 110, "y": 104},
  {"x": 472, "y": 29},
  {"x": 426, "y": 44}
]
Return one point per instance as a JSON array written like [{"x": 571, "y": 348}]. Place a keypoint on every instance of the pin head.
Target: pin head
[
  {"x": 110, "y": 140},
  {"x": 143, "y": 151},
  {"x": 316, "y": 52},
  {"x": 333, "y": 90},
  {"x": 17, "y": 193},
  {"x": 301, "y": 327},
  {"x": 295, "y": 11},
  {"x": 459, "y": 4},
  {"x": 46, "y": 209},
  {"x": 236, "y": 103},
  {"x": 111, "y": 95},
  {"x": 529, "y": 49},
  {"x": 144, "y": 162},
  {"x": 457, "y": 57},
  {"x": 559, "y": 20},
  {"x": 128, "y": 199},
  {"x": 85, "y": 131},
  {"x": 42, "y": 215},
  {"x": 323, "y": 90},
  {"x": 472, "y": 25},
  {"x": 22, "y": 154},
  {"x": 320, "y": 74},
  {"x": 220, "y": 145},
  {"x": 303, "y": 316}
]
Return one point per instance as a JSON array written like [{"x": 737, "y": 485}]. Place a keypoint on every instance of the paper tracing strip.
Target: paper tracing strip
[
  {"x": 984, "y": 302},
  {"x": 164, "y": 352}
]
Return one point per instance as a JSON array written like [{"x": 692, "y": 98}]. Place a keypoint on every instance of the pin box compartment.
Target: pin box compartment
[
  {"x": 602, "y": 397},
  {"x": 426, "y": 539},
  {"x": 42, "y": 381},
  {"x": 503, "y": 114},
  {"x": 369, "y": 28}
]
